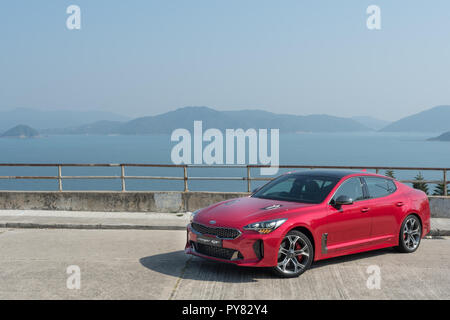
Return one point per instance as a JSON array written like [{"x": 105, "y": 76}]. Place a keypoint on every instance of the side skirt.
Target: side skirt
[{"x": 354, "y": 251}]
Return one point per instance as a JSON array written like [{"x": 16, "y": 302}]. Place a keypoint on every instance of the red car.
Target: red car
[{"x": 313, "y": 215}]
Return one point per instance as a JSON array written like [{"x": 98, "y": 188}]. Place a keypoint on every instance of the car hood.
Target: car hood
[{"x": 242, "y": 211}]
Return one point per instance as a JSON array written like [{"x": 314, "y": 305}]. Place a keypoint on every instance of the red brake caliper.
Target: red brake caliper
[{"x": 298, "y": 247}]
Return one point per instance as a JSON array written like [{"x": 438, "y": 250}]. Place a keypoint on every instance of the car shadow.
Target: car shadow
[
  {"x": 178, "y": 264},
  {"x": 353, "y": 257}
]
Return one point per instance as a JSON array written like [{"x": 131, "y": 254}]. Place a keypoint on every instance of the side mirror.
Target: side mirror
[{"x": 343, "y": 200}]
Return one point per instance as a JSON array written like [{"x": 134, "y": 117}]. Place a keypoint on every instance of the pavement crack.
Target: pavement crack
[{"x": 177, "y": 284}]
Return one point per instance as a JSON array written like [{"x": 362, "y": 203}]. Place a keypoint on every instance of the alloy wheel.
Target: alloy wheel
[
  {"x": 411, "y": 233},
  {"x": 294, "y": 255}
]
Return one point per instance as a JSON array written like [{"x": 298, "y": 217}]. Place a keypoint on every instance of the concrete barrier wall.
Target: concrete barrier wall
[
  {"x": 440, "y": 207},
  {"x": 113, "y": 201},
  {"x": 141, "y": 201}
]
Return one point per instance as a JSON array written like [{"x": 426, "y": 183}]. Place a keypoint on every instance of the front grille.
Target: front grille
[
  {"x": 223, "y": 233},
  {"x": 217, "y": 252}
]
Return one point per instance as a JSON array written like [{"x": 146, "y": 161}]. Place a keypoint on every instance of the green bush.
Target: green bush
[
  {"x": 419, "y": 184},
  {"x": 390, "y": 173},
  {"x": 439, "y": 190}
]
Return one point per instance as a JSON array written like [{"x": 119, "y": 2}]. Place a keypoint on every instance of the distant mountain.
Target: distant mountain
[
  {"x": 98, "y": 127},
  {"x": 436, "y": 119},
  {"x": 443, "y": 137},
  {"x": 180, "y": 118},
  {"x": 370, "y": 122},
  {"x": 185, "y": 117},
  {"x": 20, "y": 131},
  {"x": 295, "y": 123},
  {"x": 54, "y": 119}
]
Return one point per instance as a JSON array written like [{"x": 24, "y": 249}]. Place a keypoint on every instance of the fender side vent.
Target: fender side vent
[
  {"x": 258, "y": 247},
  {"x": 324, "y": 243}
]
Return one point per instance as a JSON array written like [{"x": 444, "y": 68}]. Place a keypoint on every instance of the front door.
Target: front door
[{"x": 348, "y": 226}]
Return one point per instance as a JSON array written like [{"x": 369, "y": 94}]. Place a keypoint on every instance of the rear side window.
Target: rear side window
[{"x": 379, "y": 187}]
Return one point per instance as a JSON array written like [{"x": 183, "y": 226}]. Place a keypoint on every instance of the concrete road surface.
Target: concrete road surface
[{"x": 151, "y": 264}]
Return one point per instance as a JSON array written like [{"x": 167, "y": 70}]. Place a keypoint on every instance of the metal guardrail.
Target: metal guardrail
[{"x": 123, "y": 177}]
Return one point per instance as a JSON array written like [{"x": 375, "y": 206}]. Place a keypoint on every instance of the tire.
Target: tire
[
  {"x": 295, "y": 255},
  {"x": 410, "y": 234}
]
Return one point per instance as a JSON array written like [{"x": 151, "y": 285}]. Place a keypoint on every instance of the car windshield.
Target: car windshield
[{"x": 298, "y": 188}]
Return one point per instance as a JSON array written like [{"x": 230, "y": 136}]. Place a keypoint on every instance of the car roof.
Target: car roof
[{"x": 331, "y": 173}]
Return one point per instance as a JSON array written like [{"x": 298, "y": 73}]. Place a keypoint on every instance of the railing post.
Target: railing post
[
  {"x": 445, "y": 182},
  {"x": 122, "y": 168},
  {"x": 249, "y": 188},
  {"x": 186, "y": 189},
  {"x": 59, "y": 179}
]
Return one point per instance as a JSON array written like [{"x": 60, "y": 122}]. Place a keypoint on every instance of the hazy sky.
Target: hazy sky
[{"x": 291, "y": 56}]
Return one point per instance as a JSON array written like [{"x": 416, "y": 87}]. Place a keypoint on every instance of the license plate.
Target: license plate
[{"x": 209, "y": 241}]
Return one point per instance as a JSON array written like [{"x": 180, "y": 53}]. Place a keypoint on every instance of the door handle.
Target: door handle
[
  {"x": 365, "y": 210},
  {"x": 399, "y": 204}
]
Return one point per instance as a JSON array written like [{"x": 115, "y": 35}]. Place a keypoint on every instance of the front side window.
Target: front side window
[
  {"x": 298, "y": 188},
  {"x": 351, "y": 188},
  {"x": 379, "y": 187}
]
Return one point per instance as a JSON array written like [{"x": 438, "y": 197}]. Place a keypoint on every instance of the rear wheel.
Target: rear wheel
[
  {"x": 295, "y": 255},
  {"x": 410, "y": 234}
]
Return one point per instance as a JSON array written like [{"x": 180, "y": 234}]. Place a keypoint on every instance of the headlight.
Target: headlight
[
  {"x": 193, "y": 214},
  {"x": 265, "y": 227}
]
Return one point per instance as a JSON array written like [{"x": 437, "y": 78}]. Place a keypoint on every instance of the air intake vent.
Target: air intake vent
[{"x": 217, "y": 252}]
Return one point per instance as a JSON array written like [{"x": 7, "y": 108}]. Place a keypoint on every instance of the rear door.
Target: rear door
[
  {"x": 384, "y": 206},
  {"x": 348, "y": 226}
]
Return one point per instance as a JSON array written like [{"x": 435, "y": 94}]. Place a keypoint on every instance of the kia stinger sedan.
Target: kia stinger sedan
[{"x": 307, "y": 216}]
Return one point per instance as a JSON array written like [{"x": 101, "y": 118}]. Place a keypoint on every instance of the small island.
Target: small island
[
  {"x": 443, "y": 137},
  {"x": 20, "y": 131}
]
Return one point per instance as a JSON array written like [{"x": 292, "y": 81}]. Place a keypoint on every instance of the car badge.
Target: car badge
[{"x": 212, "y": 222}]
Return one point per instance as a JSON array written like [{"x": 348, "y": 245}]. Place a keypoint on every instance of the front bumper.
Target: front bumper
[{"x": 249, "y": 249}]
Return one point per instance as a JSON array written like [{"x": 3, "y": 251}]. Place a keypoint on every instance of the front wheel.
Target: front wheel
[
  {"x": 410, "y": 234},
  {"x": 295, "y": 255}
]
